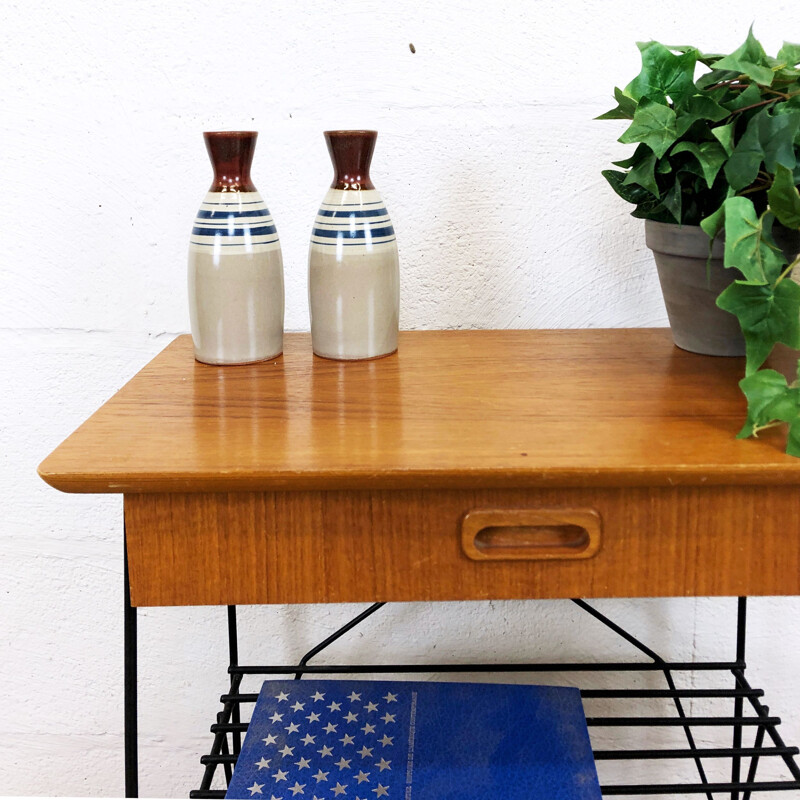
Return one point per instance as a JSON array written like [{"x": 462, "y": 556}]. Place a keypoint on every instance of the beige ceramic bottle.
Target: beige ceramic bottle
[
  {"x": 353, "y": 269},
  {"x": 236, "y": 294}
]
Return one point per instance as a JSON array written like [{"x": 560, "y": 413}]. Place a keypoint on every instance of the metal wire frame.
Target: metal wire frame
[{"x": 229, "y": 720}]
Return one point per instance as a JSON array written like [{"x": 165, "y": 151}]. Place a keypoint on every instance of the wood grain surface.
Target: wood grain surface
[
  {"x": 347, "y": 546},
  {"x": 451, "y": 409}
]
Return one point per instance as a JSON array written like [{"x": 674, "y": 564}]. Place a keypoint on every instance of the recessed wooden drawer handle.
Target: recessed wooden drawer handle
[{"x": 522, "y": 534}]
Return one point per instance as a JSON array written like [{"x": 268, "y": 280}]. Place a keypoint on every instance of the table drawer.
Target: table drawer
[{"x": 411, "y": 545}]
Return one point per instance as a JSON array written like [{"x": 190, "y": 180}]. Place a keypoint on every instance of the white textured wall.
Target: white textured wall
[{"x": 490, "y": 164}]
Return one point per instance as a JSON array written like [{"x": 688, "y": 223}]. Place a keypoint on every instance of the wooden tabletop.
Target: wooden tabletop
[{"x": 450, "y": 409}]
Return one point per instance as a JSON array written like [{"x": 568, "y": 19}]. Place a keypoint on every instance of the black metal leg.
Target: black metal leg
[
  {"x": 131, "y": 721},
  {"x": 738, "y": 703},
  {"x": 233, "y": 653}
]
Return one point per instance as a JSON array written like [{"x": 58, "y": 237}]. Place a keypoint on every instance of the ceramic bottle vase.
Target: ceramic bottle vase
[
  {"x": 236, "y": 295},
  {"x": 353, "y": 271}
]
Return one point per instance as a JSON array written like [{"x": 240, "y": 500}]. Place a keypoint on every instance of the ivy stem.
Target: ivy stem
[
  {"x": 758, "y": 428},
  {"x": 785, "y": 96},
  {"x": 786, "y": 272},
  {"x": 756, "y": 188}
]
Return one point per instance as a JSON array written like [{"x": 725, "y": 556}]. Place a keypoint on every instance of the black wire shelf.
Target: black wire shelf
[{"x": 756, "y": 745}]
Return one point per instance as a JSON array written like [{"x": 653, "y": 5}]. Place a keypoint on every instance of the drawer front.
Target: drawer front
[{"x": 305, "y": 547}]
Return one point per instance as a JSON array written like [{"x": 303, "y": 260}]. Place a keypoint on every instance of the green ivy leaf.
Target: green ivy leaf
[
  {"x": 790, "y": 106},
  {"x": 641, "y": 152},
  {"x": 767, "y": 316},
  {"x": 724, "y": 135},
  {"x": 701, "y": 106},
  {"x": 778, "y": 133},
  {"x": 714, "y": 223},
  {"x": 710, "y": 155},
  {"x": 789, "y": 54},
  {"x": 630, "y": 193},
  {"x": 663, "y": 73},
  {"x": 652, "y": 124},
  {"x": 744, "y": 99},
  {"x": 643, "y": 174},
  {"x": 793, "y": 442},
  {"x": 784, "y": 199},
  {"x": 626, "y": 105},
  {"x": 769, "y": 399},
  {"x": 768, "y": 139},
  {"x": 749, "y": 245},
  {"x": 749, "y": 59},
  {"x": 673, "y": 201}
]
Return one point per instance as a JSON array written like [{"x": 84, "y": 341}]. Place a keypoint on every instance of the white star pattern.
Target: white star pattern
[{"x": 360, "y": 769}]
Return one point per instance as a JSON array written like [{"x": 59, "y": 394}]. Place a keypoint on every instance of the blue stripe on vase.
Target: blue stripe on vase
[
  {"x": 228, "y": 214},
  {"x": 352, "y": 205},
  {"x": 372, "y": 212},
  {"x": 352, "y": 244},
  {"x": 353, "y": 234},
  {"x": 264, "y": 230},
  {"x": 233, "y": 244},
  {"x": 235, "y": 225},
  {"x": 236, "y": 203}
]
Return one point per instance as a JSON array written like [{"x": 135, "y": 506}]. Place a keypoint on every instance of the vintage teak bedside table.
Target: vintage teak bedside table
[{"x": 470, "y": 465}]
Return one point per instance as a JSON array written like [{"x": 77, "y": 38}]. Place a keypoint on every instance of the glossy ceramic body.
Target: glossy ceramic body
[
  {"x": 236, "y": 291},
  {"x": 353, "y": 267}
]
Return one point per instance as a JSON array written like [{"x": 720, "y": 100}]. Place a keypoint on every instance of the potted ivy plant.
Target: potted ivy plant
[{"x": 714, "y": 175}]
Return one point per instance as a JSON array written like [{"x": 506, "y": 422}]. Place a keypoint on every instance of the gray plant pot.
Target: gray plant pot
[{"x": 690, "y": 289}]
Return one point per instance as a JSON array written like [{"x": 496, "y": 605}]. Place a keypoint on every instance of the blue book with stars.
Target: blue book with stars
[{"x": 366, "y": 740}]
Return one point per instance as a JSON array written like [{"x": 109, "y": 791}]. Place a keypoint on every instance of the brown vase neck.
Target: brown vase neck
[
  {"x": 351, "y": 153},
  {"x": 231, "y": 154}
]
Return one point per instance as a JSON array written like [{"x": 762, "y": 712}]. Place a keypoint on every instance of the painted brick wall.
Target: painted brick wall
[{"x": 490, "y": 164}]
